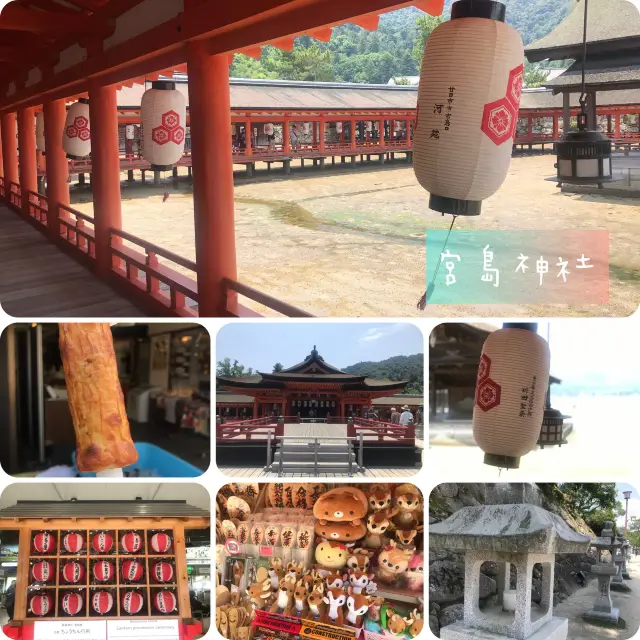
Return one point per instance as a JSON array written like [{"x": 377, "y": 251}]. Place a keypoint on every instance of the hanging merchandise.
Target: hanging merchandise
[
  {"x": 76, "y": 137},
  {"x": 511, "y": 386},
  {"x": 467, "y": 107},
  {"x": 129, "y": 131},
  {"x": 40, "y": 142},
  {"x": 163, "y": 112}
]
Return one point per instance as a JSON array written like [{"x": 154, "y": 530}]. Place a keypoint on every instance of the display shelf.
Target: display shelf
[{"x": 401, "y": 594}]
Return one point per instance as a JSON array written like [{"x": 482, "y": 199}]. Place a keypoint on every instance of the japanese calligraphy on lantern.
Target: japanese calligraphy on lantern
[{"x": 518, "y": 267}]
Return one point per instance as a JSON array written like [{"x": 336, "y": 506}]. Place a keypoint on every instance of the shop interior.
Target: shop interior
[
  {"x": 164, "y": 372},
  {"x": 319, "y": 560},
  {"x": 138, "y": 497}
]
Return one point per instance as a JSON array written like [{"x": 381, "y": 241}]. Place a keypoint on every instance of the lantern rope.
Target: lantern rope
[{"x": 422, "y": 303}]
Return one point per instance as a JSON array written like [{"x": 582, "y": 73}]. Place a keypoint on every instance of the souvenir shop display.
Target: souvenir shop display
[
  {"x": 319, "y": 560},
  {"x": 98, "y": 571}
]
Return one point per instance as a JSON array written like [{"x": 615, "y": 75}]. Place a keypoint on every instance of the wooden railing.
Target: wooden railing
[
  {"x": 15, "y": 194},
  {"x": 383, "y": 430},
  {"x": 77, "y": 229},
  {"x": 38, "y": 207},
  {"x": 234, "y": 308},
  {"x": 140, "y": 267},
  {"x": 249, "y": 429}
]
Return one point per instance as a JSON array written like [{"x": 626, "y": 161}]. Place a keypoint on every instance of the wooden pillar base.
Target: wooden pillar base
[
  {"x": 156, "y": 177},
  {"x": 286, "y": 165},
  {"x": 130, "y": 175},
  {"x": 250, "y": 166},
  {"x": 144, "y": 176},
  {"x": 81, "y": 178}
]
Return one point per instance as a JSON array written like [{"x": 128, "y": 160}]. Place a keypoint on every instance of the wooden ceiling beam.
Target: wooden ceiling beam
[
  {"x": 51, "y": 5},
  {"x": 20, "y": 18}
]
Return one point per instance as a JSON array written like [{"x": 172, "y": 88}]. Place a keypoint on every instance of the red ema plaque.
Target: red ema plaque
[{"x": 266, "y": 550}]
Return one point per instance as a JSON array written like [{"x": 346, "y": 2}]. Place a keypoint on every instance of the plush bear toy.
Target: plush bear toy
[
  {"x": 343, "y": 504},
  {"x": 341, "y": 531}
]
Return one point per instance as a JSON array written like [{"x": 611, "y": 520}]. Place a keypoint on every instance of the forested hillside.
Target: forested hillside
[
  {"x": 409, "y": 368},
  {"x": 357, "y": 55}
]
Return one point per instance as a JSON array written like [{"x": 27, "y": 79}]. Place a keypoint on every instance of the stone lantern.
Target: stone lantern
[
  {"x": 603, "y": 609},
  {"x": 626, "y": 552},
  {"x": 620, "y": 561},
  {"x": 521, "y": 535}
]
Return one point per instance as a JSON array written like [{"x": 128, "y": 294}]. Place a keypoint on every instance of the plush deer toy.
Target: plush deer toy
[
  {"x": 294, "y": 572},
  {"x": 379, "y": 497},
  {"x": 335, "y": 598},
  {"x": 405, "y": 538},
  {"x": 357, "y": 605},
  {"x": 316, "y": 603},
  {"x": 359, "y": 559},
  {"x": 377, "y": 524},
  {"x": 415, "y": 623},
  {"x": 408, "y": 505},
  {"x": 374, "y": 609},
  {"x": 300, "y": 596},
  {"x": 261, "y": 594},
  {"x": 284, "y": 598},
  {"x": 392, "y": 563},
  {"x": 396, "y": 624},
  {"x": 415, "y": 572},
  {"x": 276, "y": 572},
  {"x": 336, "y": 580},
  {"x": 359, "y": 580}
]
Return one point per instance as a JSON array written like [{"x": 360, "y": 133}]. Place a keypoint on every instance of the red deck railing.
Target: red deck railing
[
  {"x": 77, "y": 230},
  {"x": 249, "y": 429},
  {"x": 15, "y": 194},
  {"x": 234, "y": 308},
  {"x": 130, "y": 263},
  {"x": 385, "y": 431},
  {"x": 38, "y": 207}
]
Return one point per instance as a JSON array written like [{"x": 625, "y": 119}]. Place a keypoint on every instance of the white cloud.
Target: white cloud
[{"x": 372, "y": 334}]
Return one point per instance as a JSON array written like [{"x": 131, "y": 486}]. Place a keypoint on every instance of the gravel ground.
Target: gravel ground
[{"x": 351, "y": 243}]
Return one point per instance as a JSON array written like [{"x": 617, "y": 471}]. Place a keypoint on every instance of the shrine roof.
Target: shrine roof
[
  {"x": 101, "y": 508},
  {"x": 612, "y": 24},
  {"x": 607, "y": 72},
  {"x": 510, "y": 528}
]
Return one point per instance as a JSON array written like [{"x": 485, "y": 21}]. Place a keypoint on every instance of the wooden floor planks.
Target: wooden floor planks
[{"x": 38, "y": 280}]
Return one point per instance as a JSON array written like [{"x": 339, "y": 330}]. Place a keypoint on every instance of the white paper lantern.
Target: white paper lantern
[
  {"x": 40, "y": 144},
  {"x": 468, "y": 101},
  {"x": 369, "y": 125},
  {"x": 163, "y": 112},
  {"x": 511, "y": 389},
  {"x": 268, "y": 129},
  {"x": 76, "y": 137},
  {"x": 339, "y": 127},
  {"x": 397, "y": 125},
  {"x": 305, "y": 128},
  {"x": 129, "y": 132}
]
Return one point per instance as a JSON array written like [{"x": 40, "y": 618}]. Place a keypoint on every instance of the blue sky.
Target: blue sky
[
  {"x": 593, "y": 352},
  {"x": 261, "y": 345},
  {"x": 634, "y": 502}
]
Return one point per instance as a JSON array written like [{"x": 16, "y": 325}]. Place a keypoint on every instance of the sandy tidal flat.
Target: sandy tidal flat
[{"x": 351, "y": 243}]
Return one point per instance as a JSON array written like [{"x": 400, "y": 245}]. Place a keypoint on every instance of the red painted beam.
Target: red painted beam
[
  {"x": 234, "y": 27},
  {"x": 19, "y": 18}
]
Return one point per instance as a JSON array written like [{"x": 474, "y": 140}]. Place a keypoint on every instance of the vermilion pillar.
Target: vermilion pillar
[
  {"x": 28, "y": 168},
  {"x": 105, "y": 171},
  {"x": 321, "y": 142},
  {"x": 1, "y": 163},
  {"x": 209, "y": 104},
  {"x": 353, "y": 133},
  {"x": 286, "y": 137},
  {"x": 381, "y": 136},
  {"x": 529, "y": 127},
  {"x": 555, "y": 126},
  {"x": 248, "y": 137},
  {"x": 57, "y": 164},
  {"x": 617, "y": 126},
  {"x": 9, "y": 149}
]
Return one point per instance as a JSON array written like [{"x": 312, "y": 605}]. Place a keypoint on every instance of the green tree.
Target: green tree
[
  {"x": 232, "y": 370},
  {"x": 634, "y": 533},
  {"x": 594, "y": 502},
  {"x": 426, "y": 25},
  {"x": 401, "y": 81},
  {"x": 534, "y": 76},
  {"x": 277, "y": 367}
]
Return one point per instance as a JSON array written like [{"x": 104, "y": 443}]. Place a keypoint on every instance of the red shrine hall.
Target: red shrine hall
[{"x": 310, "y": 389}]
